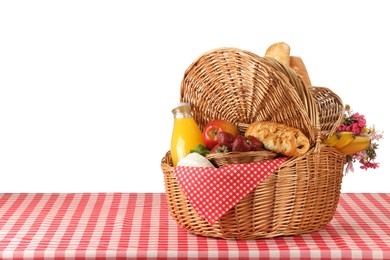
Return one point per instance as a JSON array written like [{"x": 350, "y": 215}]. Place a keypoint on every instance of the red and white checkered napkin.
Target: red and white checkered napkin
[{"x": 213, "y": 191}]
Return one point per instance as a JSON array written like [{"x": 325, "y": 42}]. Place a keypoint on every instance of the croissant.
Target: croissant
[{"x": 280, "y": 138}]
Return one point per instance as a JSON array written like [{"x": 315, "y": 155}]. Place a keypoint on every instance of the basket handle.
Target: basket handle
[
  {"x": 306, "y": 97},
  {"x": 324, "y": 108},
  {"x": 330, "y": 108}
]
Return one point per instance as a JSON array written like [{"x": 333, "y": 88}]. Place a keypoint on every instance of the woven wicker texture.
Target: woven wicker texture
[
  {"x": 302, "y": 195},
  {"x": 241, "y": 87},
  {"x": 330, "y": 108},
  {"x": 222, "y": 159},
  {"x": 303, "y": 92}
]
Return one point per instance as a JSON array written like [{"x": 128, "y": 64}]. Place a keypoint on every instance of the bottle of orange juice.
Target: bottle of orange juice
[{"x": 186, "y": 134}]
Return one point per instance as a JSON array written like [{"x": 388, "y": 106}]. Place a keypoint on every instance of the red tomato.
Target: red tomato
[{"x": 211, "y": 130}]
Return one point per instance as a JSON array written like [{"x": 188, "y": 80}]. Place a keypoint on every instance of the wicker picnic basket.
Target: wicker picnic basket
[{"x": 242, "y": 87}]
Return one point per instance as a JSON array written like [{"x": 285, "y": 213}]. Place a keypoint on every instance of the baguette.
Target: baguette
[
  {"x": 280, "y": 51},
  {"x": 299, "y": 67}
]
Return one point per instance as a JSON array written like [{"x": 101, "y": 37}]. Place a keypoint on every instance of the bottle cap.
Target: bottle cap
[
  {"x": 182, "y": 105},
  {"x": 182, "y": 110}
]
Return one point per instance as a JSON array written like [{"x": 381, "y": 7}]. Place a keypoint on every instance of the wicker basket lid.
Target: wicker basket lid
[{"x": 242, "y": 87}]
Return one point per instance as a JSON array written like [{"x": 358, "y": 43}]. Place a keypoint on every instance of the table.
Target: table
[{"x": 138, "y": 225}]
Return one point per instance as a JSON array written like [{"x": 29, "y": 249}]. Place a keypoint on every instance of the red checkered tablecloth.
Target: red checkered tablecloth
[{"x": 138, "y": 225}]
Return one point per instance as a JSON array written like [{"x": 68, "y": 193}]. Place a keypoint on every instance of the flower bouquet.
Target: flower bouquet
[{"x": 355, "y": 139}]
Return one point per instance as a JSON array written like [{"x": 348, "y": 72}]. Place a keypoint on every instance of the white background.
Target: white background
[{"x": 87, "y": 87}]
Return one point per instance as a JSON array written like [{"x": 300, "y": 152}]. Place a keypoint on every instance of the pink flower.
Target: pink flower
[
  {"x": 356, "y": 129},
  {"x": 349, "y": 167},
  {"x": 361, "y": 121},
  {"x": 355, "y": 123},
  {"x": 367, "y": 165},
  {"x": 342, "y": 127}
]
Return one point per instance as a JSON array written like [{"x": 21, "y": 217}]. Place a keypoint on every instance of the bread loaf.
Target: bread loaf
[
  {"x": 296, "y": 63},
  {"x": 279, "y": 51},
  {"x": 280, "y": 138}
]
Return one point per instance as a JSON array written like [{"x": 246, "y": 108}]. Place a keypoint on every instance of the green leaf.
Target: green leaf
[{"x": 200, "y": 149}]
